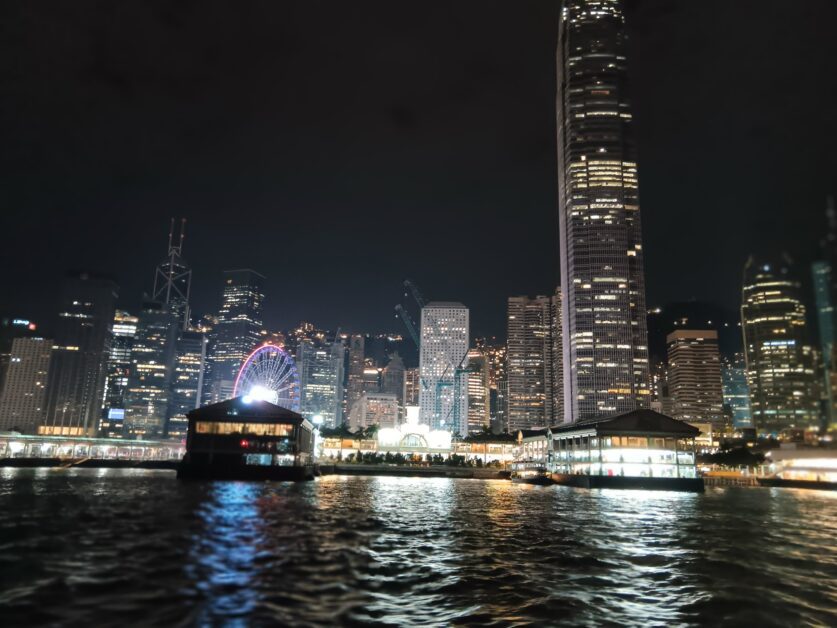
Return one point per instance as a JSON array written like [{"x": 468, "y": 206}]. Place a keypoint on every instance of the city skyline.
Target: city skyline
[
  {"x": 115, "y": 229},
  {"x": 470, "y": 313}
]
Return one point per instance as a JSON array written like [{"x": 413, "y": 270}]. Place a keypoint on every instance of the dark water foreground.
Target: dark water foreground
[{"x": 113, "y": 547}]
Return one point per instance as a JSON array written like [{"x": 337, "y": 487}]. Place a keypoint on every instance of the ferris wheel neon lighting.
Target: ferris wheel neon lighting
[{"x": 269, "y": 374}]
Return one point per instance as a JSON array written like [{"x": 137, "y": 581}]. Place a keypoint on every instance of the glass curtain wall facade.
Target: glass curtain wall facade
[
  {"x": 119, "y": 371},
  {"x": 602, "y": 276},
  {"x": 152, "y": 358},
  {"x": 736, "y": 392},
  {"x": 780, "y": 362},
  {"x": 238, "y": 328},
  {"x": 78, "y": 367},
  {"x": 321, "y": 381},
  {"x": 186, "y": 385}
]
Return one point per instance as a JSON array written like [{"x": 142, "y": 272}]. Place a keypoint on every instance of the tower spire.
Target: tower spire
[{"x": 173, "y": 279}]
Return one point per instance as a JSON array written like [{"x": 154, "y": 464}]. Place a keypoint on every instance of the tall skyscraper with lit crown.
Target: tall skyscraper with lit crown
[
  {"x": 780, "y": 361},
  {"x": 238, "y": 329},
  {"x": 602, "y": 277}
]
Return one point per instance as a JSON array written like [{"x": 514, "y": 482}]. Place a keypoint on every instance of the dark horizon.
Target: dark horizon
[{"x": 341, "y": 151}]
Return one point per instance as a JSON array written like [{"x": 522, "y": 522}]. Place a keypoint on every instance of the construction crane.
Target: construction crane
[
  {"x": 401, "y": 313},
  {"x": 458, "y": 371},
  {"x": 413, "y": 288}
]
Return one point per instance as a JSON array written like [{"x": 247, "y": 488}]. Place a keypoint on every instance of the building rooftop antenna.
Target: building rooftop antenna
[{"x": 173, "y": 279}]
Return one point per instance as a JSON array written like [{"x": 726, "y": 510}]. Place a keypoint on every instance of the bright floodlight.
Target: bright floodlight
[{"x": 263, "y": 394}]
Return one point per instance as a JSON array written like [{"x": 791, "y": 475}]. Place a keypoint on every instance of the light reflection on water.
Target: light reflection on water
[{"x": 88, "y": 547}]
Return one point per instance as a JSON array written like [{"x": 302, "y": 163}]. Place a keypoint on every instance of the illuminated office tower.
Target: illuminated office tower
[
  {"x": 823, "y": 294},
  {"x": 78, "y": 368},
  {"x": 602, "y": 278},
  {"x": 238, "y": 329},
  {"x": 23, "y": 396},
  {"x": 736, "y": 392},
  {"x": 443, "y": 400},
  {"x": 825, "y": 300},
  {"x": 532, "y": 399},
  {"x": 357, "y": 364},
  {"x": 495, "y": 355},
  {"x": 780, "y": 363},
  {"x": 185, "y": 380},
  {"x": 12, "y": 327},
  {"x": 321, "y": 380},
  {"x": 118, "y": 373},
  {"x": 694, "y": 376},
  {"x": 479, "y": 392},
  {"x": 412, "y": 385},
  {"x": 152, "y": 357}
]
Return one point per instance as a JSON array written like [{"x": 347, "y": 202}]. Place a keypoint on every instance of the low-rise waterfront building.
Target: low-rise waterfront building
[
  {"x": 641, "y": 449},
  {"x": 418, "y": 441},
  {"x": 803, "y": 464},
  {"x": 248, "y": 438},
  {"x": 61, "y": 449}
]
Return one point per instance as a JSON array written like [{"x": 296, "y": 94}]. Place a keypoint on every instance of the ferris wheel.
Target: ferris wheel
[{"x": 269, "y": 374}]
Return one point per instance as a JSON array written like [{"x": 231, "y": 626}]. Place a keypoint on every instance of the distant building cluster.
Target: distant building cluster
[{"x": 585, "y": 349}]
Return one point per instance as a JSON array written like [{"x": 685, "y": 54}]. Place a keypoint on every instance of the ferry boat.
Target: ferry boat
[
  {"x": 531, "y": 475},
  {"x": 247, "y": 439}
]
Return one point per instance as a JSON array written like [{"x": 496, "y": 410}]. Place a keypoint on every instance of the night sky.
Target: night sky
[{"x": 340, "y": 147}]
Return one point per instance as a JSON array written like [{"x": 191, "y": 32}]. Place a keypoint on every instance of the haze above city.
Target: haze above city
[{"x": 340, "y": 156}]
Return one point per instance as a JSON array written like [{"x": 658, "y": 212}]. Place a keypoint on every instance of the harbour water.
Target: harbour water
[{"x": 130, "y": 547}]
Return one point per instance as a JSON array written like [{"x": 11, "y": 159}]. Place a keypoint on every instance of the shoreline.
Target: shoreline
[{"x": 473, "y": 473}]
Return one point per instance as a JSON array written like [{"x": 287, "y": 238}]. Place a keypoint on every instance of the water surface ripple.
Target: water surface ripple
[{"x": 108, "y": 547}]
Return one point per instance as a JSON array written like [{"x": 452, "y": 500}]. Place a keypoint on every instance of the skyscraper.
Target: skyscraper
[
  {"x": 321, "y": 380},
  {"x": 412, "y": 385},
  {"x": 445, "y": 334},
  {"x": 824, "y": 275},
  {"x": 479, "y": 395},
  {"x": 238, "y": 329},
  {"x": 152, "y": 357},
  {"x": 79, "y": 360},
  {"x": 185, "y": 380},
  {"x": 12, "y": 327},
  {"x": 602, "y": 277},
  {"x": 780, "y": 362},
  {"x": 495, "y": 355},
  {"x": 531, "y": 360},
  {"x": 392, "y": 377},
  {"x": 694, "y": 376},
  {"x": 736, "y": 392},
  {"x": 357, "y": 363},
  {"x": 118, "y": 374},
  {"x": 823, "y": 302},
  {"x": 23, "y": 396}
]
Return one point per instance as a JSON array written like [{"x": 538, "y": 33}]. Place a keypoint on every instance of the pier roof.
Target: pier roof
[
  {"x": 245, "y": 408},
  {"x": 640, "y": 421}
]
